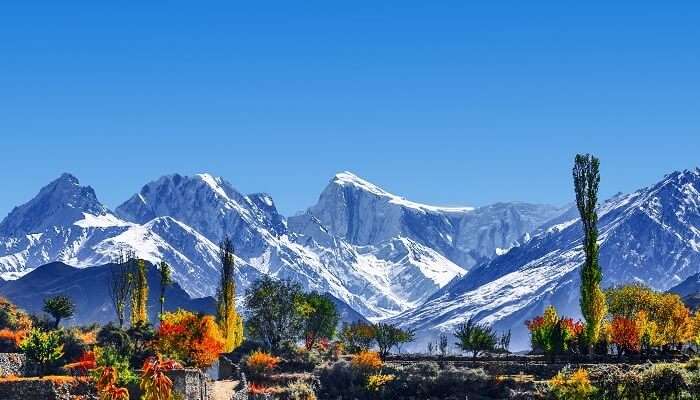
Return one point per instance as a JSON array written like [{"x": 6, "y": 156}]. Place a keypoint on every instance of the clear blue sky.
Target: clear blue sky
[{"x": 452, "y": 102}]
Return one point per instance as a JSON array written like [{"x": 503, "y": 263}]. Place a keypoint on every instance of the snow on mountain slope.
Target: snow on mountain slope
[
  {"x": 261, "y": 238},
  {"x": 180, "y": 220},
  {"x": 392, "y": 277},
  {"x": 649, "y": 236},
  {"x": 65, "y": 222},
  {"x": 364, "y": 214}
]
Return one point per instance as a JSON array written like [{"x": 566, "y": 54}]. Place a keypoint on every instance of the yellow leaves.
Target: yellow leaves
[
  {"x": 663, "y": 319},
  {"x": 572, "y": 386},
  {"x": 550, "y": 317},
  {"x": 376, "y": 382}
]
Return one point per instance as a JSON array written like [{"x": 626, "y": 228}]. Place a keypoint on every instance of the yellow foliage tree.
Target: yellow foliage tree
[
  {"x": 663, "y": 319},
  {"x": 139, "y": 294},
  {"x": 227, "y": 317}
]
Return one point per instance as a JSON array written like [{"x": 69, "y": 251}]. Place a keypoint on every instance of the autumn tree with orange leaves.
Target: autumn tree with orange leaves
[{"x": 191, "y": 339}]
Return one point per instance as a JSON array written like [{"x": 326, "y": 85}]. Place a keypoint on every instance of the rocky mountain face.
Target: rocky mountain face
[
  {"x": 376, "y": 252},
  {"x": 649, "y": 236},
  {"x": 364, "y": 214}
]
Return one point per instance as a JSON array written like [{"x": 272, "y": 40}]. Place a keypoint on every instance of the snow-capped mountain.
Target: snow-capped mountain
[
  {"x": 650, "y": 236},
  {"x": 364, "y": 214},
  {"x": 261, "y": 238},
  {"x": 180, "y": 219},
  {"x": 66, "y": 222}
]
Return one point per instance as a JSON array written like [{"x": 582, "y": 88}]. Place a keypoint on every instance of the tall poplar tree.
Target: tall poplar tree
[
  {"x": 139, "y": 293},
  {"x": 165, "y": 281},
  {"x": 586, "y": 174},
  {"x": 227, "y": 317}
]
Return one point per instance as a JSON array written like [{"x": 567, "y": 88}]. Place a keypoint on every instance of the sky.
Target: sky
[{"x": 446, "y": 103}]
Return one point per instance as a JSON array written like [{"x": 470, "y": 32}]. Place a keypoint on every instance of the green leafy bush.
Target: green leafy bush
[
  {"x": 43, "y": 349},
  {"x": 109, "y": 356}
]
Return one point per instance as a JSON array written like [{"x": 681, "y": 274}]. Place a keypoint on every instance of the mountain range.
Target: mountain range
[
  {"x": 375, "y": 251},
  {"x": 388, "y": 258}
]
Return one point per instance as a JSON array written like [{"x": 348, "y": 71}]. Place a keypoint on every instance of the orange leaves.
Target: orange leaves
[
  {"x": 663, "y": 318},
  {"x": 193, "y": 339},
  {"x": 107, "y": 386},
  {"x": 86, "y": 362},
  {"x": 154, "y": 383},
  {"x": 625, "y": 334},
  {"x": 367, "y": 361},
  {"x": 10, "y": 340},
  {"x": 261, "y": 362}
]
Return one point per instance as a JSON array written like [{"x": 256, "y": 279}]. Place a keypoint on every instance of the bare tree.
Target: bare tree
[{"x": 119, "y": 284}]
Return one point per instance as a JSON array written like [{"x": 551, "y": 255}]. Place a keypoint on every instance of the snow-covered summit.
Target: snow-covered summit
[
  {"x": 364, "y": 214},
  {"x": 61, "y": 202},
  {"x": 348, "y": 178}
]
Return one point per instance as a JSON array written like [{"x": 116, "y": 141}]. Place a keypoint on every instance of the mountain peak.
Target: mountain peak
[
  {"x": 348, "y": 179},
  {"x": 62, "y": 201}
]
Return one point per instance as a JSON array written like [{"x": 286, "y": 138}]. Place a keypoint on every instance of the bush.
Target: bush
[
  {"x": 366, "y": 362},
  {"x": 341, "y": 380},
  {"x": 113, "y": 336},
  {"x": 299, "y": 359},
  {"x": 260, "y": 362},
  {"x": 110, "y": 357},
  {"x": 665, "y": 380},
  {"x": 154, "y": 383},
  {"x": 572, "y": 386},
  {"x": 43, "y": 349},
  {"x": 106, "y": 384},
  {"x": 141, "y": 336},
  {"x": 300, "y": 390}
]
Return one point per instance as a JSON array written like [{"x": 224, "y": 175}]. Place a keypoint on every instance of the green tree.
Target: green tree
[
  {"x": 276, "y": 312},
  {"x": 139, "y": 293},
  {"x": 357, "y": 336},
  {"x": 475, "y": 337},
  {"x": 59, "y": 307},
  {"x": 388, "y": 336},
  {"x": 166, "y": 280},
  {"x": 320, "y": 318},
  {"x": 43, "y": 348},
  {"x": 586, "y": 173},
  {"x": 228, "y": 319}
]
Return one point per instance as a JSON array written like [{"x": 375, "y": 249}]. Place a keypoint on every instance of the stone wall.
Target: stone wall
[
  {"x": 46, "y": 389},
  {"x": 192, "y": 384},
  {"x": 12, "y": 364}
]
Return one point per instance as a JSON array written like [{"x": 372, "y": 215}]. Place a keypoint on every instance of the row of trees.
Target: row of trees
[{"x": 128, "y": 289}]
